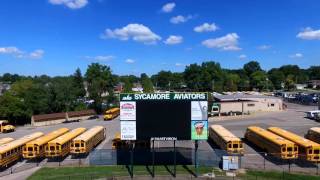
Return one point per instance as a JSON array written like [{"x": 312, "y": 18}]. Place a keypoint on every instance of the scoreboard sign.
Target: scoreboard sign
[{"x": 164, "y": 116}]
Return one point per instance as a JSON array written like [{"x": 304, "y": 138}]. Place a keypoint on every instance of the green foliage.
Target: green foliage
[
  {"x": 251, "y": 67},
  {"x": 146, "y": 83},
  {"x": 78, "y": 83},
  {"x": 99, "y": 80}
]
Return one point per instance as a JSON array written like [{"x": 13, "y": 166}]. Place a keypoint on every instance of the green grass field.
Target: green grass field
[
  {"x": 275, "y": 175},
  {"x": 94, "y": 172}
]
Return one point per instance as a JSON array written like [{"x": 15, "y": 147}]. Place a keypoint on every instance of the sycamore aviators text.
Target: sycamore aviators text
[{"x": 166, "y": 96}]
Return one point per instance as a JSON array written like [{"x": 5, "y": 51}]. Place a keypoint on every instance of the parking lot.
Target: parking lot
[{"x": 292, "y": 119}]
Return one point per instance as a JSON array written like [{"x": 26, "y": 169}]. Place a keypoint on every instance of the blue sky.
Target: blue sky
[{"x": 55, "y": 37}]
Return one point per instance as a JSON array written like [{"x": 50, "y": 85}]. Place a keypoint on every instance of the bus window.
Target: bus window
[
  {"x": 289, "y": 148},
  {"x": 51, "y": 148},
  {"x": 230, "y": 145},
  {"x": 82, "y": 144},
  {"x": 283, "y": 149},
  {"x": 76, "y": 144},
  {"x": 235, "y": 145},
  {"x": 316, "y": 151},
  {"x": 310, "y": 151}
]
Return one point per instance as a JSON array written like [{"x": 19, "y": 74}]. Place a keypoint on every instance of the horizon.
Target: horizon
[{"x": 54, "y": 38}]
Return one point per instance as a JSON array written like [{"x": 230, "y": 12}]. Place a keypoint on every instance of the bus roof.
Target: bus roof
[
  {"x": 112, "y": 110},
  {"x": 315, "y": 129},
  {"x": 224, "y": 133},
  {"x": 89, "y": 134},
  {"x": 48, "y": 137},
  {"x": 269, "y": 135},
  {"x": 67, "y": 136},
  {"x": 19, "y": 142},
  {"x": 5, "y": 140},
  {"x": 293, "y": 137}
]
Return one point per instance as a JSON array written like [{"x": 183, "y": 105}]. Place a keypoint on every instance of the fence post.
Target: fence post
[{"x": 264, "y": 161}]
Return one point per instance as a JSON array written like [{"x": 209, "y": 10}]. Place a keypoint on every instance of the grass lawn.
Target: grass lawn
[
  {"x": 273, "y": 175},
  {"x": 92, "y": 172}
]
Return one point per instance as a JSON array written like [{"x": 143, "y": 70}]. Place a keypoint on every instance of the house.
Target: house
[
  {"x": 301, "y": 86},
  {"x": 4, "y": 87},
  {"x": 245, "y": 104},
  {"x": 314, "y": 84}
]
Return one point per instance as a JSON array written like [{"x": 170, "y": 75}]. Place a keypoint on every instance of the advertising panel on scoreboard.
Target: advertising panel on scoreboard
[
  {"x": 128, "y": 130},
  {"x": 128, "y": 110}
]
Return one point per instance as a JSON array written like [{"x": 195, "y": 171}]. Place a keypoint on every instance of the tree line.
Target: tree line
[{"x": 94, "y": 89}]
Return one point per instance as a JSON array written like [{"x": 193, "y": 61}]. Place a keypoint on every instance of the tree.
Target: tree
[
  {"x": 127, "y": 86},
  {"x": 99, "y": 80},
  {"x": 146, "y": 83},
  {"x": 192, "y": 77},
  {"x": 164, "y": 80},
  {"x": 314, "y": 72},
  {"x": 78, "y": 84},
  {"x": 259, "y": 80},
  {"x": 22, "y": 101},
  {"x": 251, "y": 67},
  {"x": 231, "y": 82},
  {"x": 276, "y": 77}
]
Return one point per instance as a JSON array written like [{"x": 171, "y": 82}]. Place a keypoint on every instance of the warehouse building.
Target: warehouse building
[{"x": 236, "y": 104}]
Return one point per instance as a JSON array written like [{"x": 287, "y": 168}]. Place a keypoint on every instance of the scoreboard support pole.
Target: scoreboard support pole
[
  {"x": 131, "y": 158},
  {"x": 153, "y": 158},
  {"x": 196, "y": 157},
  {"x": 174, "y": 158}
]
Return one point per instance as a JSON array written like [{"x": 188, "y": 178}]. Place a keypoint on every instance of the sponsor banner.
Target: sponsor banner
[
  {"x": 128, "y": 110},
  {"x": 199, "y": 110},
  {"x": 163, "y": 96},
  {"x": 199, "y": 130},
  {"x": 128, "y": 130}
]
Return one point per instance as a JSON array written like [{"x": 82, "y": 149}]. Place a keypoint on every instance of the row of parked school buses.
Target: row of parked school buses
[
  {"x": 274, "y": 140},
  {"x": 56, "y": 144}
]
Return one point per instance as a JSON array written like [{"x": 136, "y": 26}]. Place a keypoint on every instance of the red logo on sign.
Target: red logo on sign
[{"x": 127, "y": 106}]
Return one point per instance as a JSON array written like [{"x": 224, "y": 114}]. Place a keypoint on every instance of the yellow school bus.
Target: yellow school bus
[
  {"x": 308, "y": 149},
  {"x": 272, "y": 143},
  {"x": 111, "y": 113},
  {"x": 117, "y": 143},
  {"x": 12, "y": 151},
  {"x": 36, "y": 148},
  {"x": 5, "y": 127},
  {"x": 313, "y": 134},
  {"x": 225, "y": 139},
  {"x": 5, "y": 140},
  {"x": 60, "y": 147},
  {"x": 84, "y": 143}
]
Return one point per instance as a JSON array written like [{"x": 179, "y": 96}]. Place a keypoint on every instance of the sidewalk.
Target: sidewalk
[{"x": 23, "y": 175}]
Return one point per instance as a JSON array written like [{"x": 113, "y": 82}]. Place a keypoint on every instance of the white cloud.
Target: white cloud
[
  {"x": 136, "y": 32},
  {"x": 180, "y": 19},
  {"x": 242, "y": 56},
  {"x": 172, "y": 39},
  {"x": 309, "y": 34},
  {"x": 36, "y": 54},
  {"x": 72, "y": 4},
  {"x": 9, "y": 50},
  {"x": 17, "y": 53},
  {"x": 206, "y": 27},
  {"x": 264, "y": 47},
  {"x": 179, "y": 64},
  {"x": 130, "y": 61},
  {"x": 228, "y": 42},
  {"x": 100, "y": 58},
  {"x": 168, "y": 7},
  {"x": 296, "y": 55}
]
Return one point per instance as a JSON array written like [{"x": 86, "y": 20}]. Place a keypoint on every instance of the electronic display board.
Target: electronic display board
[{"x": 164, "y": 116}]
